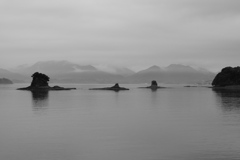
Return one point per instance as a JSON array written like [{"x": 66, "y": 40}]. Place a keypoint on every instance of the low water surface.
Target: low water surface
[{"x": 168, "y": 124}]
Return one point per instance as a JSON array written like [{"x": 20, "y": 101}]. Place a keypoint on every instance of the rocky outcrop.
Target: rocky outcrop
[
  {"x": 228, "y": 77},
  {"x": 116, "y": 87},
  {"x": 5, "y": 81},
  {"x": 154, "y": 86},
  {"x": 40, "y": 80},
  {"x": 40, "y": 83}
]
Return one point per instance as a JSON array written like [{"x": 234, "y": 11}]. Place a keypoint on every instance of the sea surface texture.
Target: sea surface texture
[{"x": 174, "y": 123}]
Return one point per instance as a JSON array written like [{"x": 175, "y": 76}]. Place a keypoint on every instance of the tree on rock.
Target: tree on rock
[
  {"x": 154, "y": 83},
  {"x": 40, "y": 80},
  {"x": 227, "y": 77},
  {"x": 40, "y": 83}
]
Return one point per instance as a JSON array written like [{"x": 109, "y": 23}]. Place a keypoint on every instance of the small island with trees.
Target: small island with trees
[
  {"x": 40, "y": 83},
  {"x": 228, "y": 78},
  {"x": 153, "y": 86}
]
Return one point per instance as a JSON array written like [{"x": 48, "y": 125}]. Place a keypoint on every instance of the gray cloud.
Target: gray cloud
[
  {"x": 214, "y": 7},
  {"x": 127, "y": 32}
]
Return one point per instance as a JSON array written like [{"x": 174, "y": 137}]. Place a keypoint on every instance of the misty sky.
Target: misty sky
[{"x": 131, "y": 33}]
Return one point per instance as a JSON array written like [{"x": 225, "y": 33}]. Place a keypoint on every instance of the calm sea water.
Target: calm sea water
[{"x": 168, "y": 124}]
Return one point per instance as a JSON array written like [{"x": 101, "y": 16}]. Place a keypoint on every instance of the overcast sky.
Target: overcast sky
[{"x": 133, "y": 33}]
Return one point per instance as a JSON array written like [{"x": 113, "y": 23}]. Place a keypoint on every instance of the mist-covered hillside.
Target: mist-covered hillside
[
  {"x": 174, "y": 73},
  {"x": 67, "y": 72}
]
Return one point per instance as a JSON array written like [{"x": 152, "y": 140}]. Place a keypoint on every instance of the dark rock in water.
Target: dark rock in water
[
  {"x": 154, "y": 83},
  {"x": 116, "y": 87},
  {"x": 190, "y": 86},
  {"x": 154, "y": 86},
  {"x": 5, "y": 81},
  {"x": 40, "y": 80},
  {"x": 228, "y": 77},
  {"x": 40, "y": 83},
  {"x": 61, "y": 88}
]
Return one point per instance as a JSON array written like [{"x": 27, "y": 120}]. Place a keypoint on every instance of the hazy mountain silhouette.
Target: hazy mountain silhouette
[
  {"x": 67, "y": 72},
  {"x": 87, "y": 77},
  {"x": 174, "y": 73},
  {"x": 179, "y": 68},
  {"x": 152, "y": 69},
  {"x": 5, "y": 81},
  {"x": 123, "y": 71},
  {"x": 55, "y": 68},
  {"x": 14, "y": 77}
]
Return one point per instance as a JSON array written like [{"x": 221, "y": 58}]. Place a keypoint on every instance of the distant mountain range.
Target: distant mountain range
[
  {"x": 5, "y": 81},
  {"x": 14, "y": 77},
  {"x": 54, "y": 68},
  {"x": 174, "y": 73},
  {"x": 67, "y": 72}
]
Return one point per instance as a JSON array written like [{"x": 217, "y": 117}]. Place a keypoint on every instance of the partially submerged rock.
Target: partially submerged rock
[
  {"x": 116, "y": 87},
  {"x": 228, "y": 78},
  {"x": 154, "y": 86},
  {"x": 40, "y": 83}
]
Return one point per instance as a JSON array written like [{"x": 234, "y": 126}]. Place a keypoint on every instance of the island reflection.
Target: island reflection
[
  {"x": 229, "y": 100},
  {"x": 40, "y": 100}
]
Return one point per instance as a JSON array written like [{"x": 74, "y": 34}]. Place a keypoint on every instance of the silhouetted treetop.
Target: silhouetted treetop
[
  {"x": 39, "y": 80},
  {"x": 41, "y": 75},
  {"x": 154, "y": 83}
]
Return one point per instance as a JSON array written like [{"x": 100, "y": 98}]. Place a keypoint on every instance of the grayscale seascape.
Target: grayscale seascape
[
  {"x": 168, "y": 124},
  {"x": 119, "y": 79}
]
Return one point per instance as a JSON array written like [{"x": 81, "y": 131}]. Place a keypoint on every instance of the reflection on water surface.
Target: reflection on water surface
[
  {"x": 40, "y": 100},
  {"x": 229, "y": 100}
]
